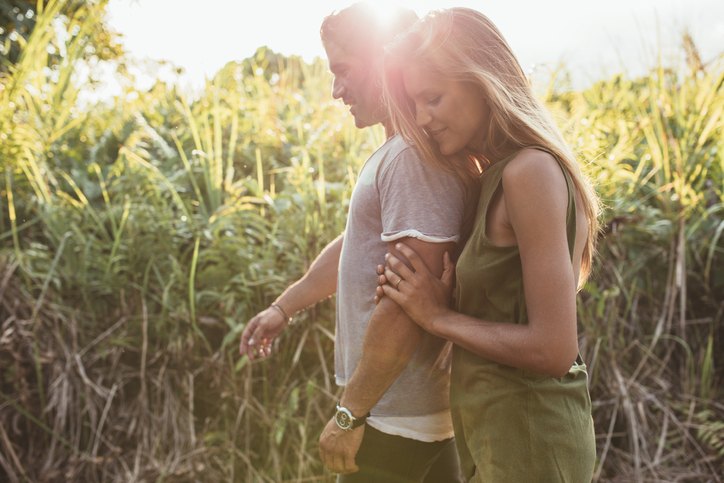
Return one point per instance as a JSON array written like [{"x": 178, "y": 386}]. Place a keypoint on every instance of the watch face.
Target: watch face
[{"x": 343, "y": 419}]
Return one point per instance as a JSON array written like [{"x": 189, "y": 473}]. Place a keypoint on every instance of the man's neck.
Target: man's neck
[{"x": 389, "y": 130}]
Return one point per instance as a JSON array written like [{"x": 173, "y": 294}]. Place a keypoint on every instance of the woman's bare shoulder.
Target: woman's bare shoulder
[{"x": 532, "y": 168}]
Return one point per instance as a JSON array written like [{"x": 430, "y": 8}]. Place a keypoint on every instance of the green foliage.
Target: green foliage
[
  {"x": 710, "y": 431},
  {"x": 18, "y": 20},
  {"x": 151, "y": 231},
  {"x": 653, "y": 309},
  {"x": 137, "y": 239}
]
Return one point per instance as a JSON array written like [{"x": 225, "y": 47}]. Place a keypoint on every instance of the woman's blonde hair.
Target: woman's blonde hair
[{"x": 462, "y": 44}]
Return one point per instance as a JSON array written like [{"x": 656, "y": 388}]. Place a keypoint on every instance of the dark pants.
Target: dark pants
[{"x": 383, "y": 458}]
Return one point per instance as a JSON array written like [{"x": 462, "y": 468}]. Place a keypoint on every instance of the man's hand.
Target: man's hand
[
  {"x": 338, "y": 448},
  {"x": 317, "y": 284},
  {"x": 259, "y": 333}
]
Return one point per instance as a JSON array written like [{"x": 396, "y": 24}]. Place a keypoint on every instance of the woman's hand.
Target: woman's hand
[
  {"x": 381, "y": 280},
  {"x": 420, "y": 293}
]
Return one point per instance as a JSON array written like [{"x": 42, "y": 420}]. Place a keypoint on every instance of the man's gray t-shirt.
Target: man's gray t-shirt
[{"x": 397, "y": 195}]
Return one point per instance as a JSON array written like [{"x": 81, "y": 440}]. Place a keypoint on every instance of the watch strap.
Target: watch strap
[{"x": 357, "y": 422}]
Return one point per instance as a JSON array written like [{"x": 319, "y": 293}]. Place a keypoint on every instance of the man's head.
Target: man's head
[{"x": 354, "y": 39}]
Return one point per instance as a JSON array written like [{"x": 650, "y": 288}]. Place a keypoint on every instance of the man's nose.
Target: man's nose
[
  {"x": 422, "y": 117},
  {"x": 337, "y": 88}
]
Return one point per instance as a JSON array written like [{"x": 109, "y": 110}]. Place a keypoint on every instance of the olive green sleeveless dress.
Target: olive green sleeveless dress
[{"x": 513, "y": 425}]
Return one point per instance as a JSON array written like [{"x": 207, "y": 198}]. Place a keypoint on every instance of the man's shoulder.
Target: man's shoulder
[{"x": 397, "y": 147}]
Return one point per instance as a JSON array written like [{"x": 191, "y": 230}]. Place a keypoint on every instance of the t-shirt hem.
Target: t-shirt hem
[
  {"x": 403, "y": 428},
  {"x": 342, "y": 382},
  {"x": 390, "y": 237}
]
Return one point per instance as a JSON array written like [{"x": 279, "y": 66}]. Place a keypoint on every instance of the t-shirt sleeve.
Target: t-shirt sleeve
[{"x": 418, "y": 201}]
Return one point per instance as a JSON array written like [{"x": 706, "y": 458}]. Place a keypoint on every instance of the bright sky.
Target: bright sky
[{"x": 594, "y": 39}]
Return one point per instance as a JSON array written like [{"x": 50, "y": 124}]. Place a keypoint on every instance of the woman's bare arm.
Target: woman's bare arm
[{"x": 536, "y": 198}]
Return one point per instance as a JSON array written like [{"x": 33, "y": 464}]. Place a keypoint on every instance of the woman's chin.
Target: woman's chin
[{"x": 448, "y": 150}]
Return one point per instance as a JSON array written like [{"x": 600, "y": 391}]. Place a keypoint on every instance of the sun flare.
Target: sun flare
[{"x": 385, "y": 9}]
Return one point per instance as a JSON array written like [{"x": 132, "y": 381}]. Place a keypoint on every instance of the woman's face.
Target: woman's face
[{"x": 453, "y": 113}]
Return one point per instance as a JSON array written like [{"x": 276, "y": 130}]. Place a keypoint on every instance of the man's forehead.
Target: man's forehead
[{"x": 339, "y": 56}]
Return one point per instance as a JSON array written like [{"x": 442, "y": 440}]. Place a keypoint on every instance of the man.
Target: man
[{"x": 392, "y": 423}]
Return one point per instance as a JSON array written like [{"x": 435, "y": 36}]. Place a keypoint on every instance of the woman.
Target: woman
[{"x": 519, "y": 396}]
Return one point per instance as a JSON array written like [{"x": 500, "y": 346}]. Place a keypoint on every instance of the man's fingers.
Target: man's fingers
[
  {"x": 258, "y": 340},
  {"x": 263, "y": 347},
  {"x": 251, "y": 352},
  {"x": 328, "y": 459},
  {"x": 349, "y": 464},
  {"x": 337, "y": 463},
  {"x": 246, "y": 335},
  {"x": 322, "y": 456}
]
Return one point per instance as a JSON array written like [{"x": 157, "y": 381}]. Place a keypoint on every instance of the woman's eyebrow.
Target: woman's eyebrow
[{"x": 426, "y": 92}]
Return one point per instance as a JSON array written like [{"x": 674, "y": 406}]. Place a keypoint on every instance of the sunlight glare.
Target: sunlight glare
[{"x": 384, "y": 9}]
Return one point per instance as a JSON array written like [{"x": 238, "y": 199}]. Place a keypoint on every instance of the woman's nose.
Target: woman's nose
[{"x": 422, "y": 117}]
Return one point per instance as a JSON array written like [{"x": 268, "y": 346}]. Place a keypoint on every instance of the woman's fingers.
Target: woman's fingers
[
  {"x": 448, "y": 271},
  {"x": 400, "y": 269},
  {"x": 379, "y": 293},
  {"x": 417, "y": 264},
  {"x": 382, "y": 279},
  {"x": 395, "y": 280},
  {"x": 393, "y": 294}
]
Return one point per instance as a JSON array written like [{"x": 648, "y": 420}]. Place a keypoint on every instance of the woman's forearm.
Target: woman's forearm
[{"x": 514, "y": 345}]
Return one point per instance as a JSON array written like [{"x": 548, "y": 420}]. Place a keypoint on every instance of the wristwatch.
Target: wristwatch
[{"x": 344, "y": 419}]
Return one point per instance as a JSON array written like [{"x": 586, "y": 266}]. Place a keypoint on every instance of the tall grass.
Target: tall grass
[
  {"x": 652, "y": 314},
  {"x": 136, "y": 240}
]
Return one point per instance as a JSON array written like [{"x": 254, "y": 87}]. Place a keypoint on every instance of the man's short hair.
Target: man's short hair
[{"x": 359, "y": 29}]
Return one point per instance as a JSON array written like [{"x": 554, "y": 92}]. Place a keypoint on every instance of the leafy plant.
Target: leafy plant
[{"x": 137, "y": 239}]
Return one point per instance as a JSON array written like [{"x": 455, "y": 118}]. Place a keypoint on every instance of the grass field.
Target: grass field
[{"x": 137, "y": 238}]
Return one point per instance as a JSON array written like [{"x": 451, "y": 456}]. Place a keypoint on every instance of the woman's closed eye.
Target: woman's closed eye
[{"x": 433, "y": 101}]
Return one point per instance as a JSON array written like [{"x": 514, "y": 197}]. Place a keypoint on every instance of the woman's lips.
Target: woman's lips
[{"x": 435, "y": 133}]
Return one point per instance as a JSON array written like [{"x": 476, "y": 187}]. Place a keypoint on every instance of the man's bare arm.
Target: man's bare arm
[
  {"x": 319, "y": 283},
  {"x": 390, "y": 342},
  {"x": 391, "y": 339}
]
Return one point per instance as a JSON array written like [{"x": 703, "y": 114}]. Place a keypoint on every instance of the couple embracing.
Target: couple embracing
[{"x": 476, "y": 193}]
